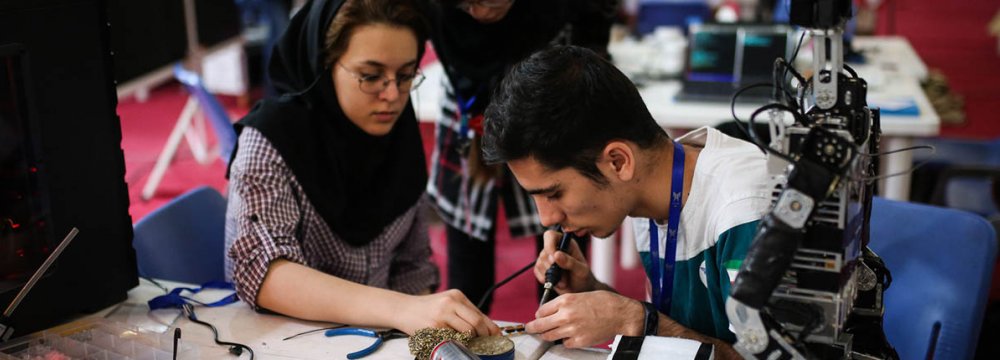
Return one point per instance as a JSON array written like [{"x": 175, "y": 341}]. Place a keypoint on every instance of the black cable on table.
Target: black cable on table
[{"x": 234, "y": 348}]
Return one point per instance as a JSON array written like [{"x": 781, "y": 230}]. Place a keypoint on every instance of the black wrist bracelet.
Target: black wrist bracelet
[{"x": 652, "y": 320}]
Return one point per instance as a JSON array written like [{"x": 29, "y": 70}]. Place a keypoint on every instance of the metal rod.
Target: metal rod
[{"x": 41, "y": 271}]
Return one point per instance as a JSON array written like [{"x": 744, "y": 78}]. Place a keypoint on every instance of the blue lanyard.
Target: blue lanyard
[
  {"x": 663, "y": 286},
  {"x": 174, "y": 299}
]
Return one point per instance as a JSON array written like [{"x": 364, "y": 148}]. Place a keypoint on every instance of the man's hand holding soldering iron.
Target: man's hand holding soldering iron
[{"x": 586, "y": 311}]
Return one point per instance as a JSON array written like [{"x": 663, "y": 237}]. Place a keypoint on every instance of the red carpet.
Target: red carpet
[{"x": 145, "y": 127}]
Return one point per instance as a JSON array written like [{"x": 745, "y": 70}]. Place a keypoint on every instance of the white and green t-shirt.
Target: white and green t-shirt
[{"x": 729, "y": 195}]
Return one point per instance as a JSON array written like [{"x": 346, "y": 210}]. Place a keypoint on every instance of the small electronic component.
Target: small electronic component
[{"x": 512, "y": 330}]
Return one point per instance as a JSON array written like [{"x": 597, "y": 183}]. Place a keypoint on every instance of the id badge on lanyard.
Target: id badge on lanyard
[
  {"x": 662, "y": 278},
  {"x": 465, "y": 115}
]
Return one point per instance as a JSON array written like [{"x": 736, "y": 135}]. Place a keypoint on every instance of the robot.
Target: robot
[{"x": 809, "y": 286}]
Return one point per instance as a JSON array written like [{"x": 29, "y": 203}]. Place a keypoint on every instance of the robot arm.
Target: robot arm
[
  {"x": 824, "y": 158},
  {"x": 808, "y": 254}
]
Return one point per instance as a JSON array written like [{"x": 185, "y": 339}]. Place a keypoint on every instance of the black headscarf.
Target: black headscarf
[{"x": 357, "y": 182}]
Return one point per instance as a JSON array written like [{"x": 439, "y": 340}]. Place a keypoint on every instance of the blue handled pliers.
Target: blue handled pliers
[{"x": 379, "y": 336}]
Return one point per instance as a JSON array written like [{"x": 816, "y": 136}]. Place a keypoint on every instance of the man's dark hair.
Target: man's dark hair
[{"x": 561, "y": 106}]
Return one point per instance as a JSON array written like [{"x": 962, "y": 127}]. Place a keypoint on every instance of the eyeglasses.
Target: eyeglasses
[
  {"x": 374, "y": 84},
  {"x": 492, "y": 4}
]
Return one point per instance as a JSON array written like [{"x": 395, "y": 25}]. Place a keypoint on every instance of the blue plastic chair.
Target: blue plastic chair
[
  {"x": 677, "y": 13},
  {"x": 183, "y": 240},
  {"x": 210, "y": 106},
  {"x": 941, "y": 261},
  {"x": 967, "y": 171}
]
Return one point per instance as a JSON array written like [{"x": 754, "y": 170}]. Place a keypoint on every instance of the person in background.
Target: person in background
[
  {"x": 576, "y": 134},
  {"x": 327, "y": 181},
  {"x": 476, "y": 42}
]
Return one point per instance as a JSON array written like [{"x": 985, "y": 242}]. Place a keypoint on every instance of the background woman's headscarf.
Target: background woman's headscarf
[{"x": 357, "y": 182}]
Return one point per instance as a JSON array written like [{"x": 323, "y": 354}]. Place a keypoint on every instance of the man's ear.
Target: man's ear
[{"x": 618, "y": 161}]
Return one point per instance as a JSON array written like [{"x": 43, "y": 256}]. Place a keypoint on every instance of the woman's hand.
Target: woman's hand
[{"x": 448, "y": 309}]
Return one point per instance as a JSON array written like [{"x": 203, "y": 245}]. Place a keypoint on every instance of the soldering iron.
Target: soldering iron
[{"x": 554, "y": 273}]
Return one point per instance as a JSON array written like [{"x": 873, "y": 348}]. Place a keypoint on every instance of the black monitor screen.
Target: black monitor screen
[
  {"x": 24, "y": 209},
  {"x": 713, "y": 56},
  {"x": 759, "y": 51}
]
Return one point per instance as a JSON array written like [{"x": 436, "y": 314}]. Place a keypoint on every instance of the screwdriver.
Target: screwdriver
[{"x": 554, "y": 273}]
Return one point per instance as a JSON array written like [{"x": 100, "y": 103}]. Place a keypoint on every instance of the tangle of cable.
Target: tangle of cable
[{"x": 779, "y": 89}]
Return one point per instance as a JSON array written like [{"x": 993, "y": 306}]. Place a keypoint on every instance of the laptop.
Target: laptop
[{"x": 722, "y": 58}]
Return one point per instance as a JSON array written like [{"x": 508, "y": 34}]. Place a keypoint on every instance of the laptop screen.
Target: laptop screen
[
  {"x": 713, "y": 54},
  {"x": 737, "y": 54},
  {"x": 761, "y": 46}
]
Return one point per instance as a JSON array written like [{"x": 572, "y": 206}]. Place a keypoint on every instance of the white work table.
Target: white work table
[
  {"x": 893, "y": 71},
  {"x": 263, "y": 333}
]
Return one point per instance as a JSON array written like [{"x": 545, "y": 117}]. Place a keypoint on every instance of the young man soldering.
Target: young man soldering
[{"x": 578, "y": 137}]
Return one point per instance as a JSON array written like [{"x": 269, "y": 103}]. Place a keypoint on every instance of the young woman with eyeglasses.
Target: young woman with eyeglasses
[{"x": 327, "y": 182}]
